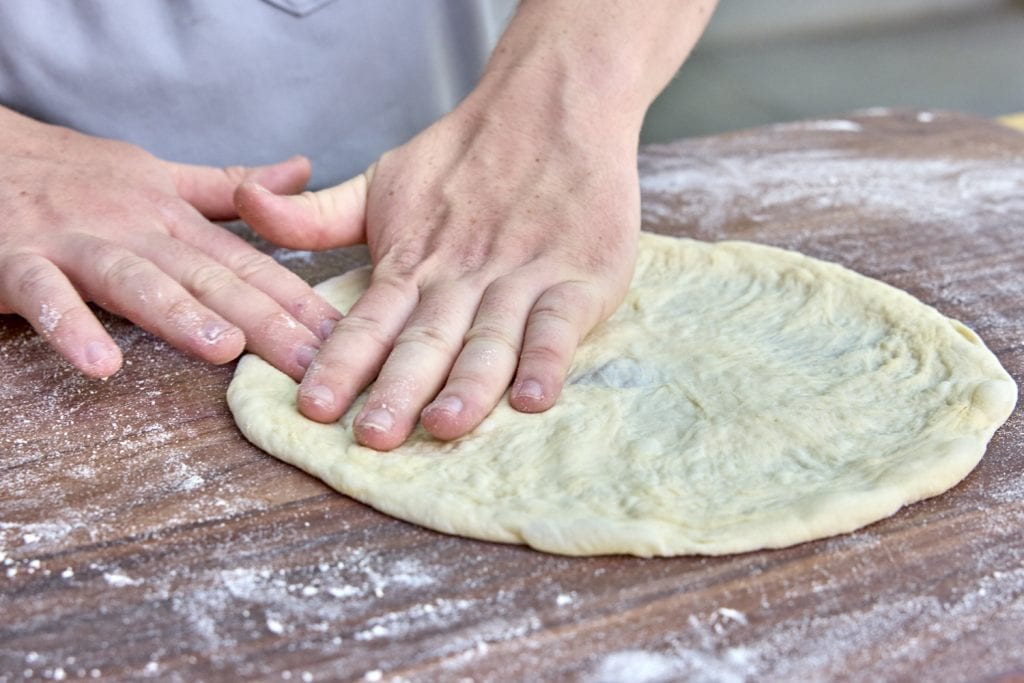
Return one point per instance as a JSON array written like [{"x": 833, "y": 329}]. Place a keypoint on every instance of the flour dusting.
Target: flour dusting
[
  {"x": 135, "y": 545},
  {"x": 49, "y": 318}
]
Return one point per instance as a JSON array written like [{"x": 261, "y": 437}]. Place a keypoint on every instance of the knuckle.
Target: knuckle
[
  {"x": 235, "y": 174},
  {"x": 401, "y": 264},
  {"x": 543, "y": 353},
  {"x": 317, "y": 201},
  {"x": 367, "y": 328},
  {"x": 503, "y": 297},
  {"x": 120, "y": 269},
  {"x": 570, "y": 305},
  {"x": 251, "y": 264},
  {"x": 401, "y": 286},
  {"x": 208, "y": 278},
  {"x": 428, "y": 336},
  {"x": 568, "y": 296},
  {"x": 33, "y": 278},
  {"x": 491, "y": 334},
  {"x": 551, "y": 313}
]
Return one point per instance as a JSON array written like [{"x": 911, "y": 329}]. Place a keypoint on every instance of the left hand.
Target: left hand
[{"x": 499, "y": 238}]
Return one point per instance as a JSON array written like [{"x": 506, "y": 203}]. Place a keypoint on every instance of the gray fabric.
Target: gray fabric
[{"x": 246, "y": 81}]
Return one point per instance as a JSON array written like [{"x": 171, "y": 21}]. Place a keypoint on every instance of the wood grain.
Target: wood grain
[{"x": 141, "y": 536}]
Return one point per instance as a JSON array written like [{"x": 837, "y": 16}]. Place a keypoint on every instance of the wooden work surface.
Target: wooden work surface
[{"x": 142, "y": 536}]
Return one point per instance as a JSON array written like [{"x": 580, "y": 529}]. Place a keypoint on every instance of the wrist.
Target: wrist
[
  {"x": 601, "y": 62},
  {"x": 12, "y": 124},
  {"x": 535, "y": 75},
  {"x": 20, "y": 134}
]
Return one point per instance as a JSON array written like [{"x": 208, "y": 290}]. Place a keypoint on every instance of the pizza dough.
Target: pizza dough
[{"x": 742, "y": 397}]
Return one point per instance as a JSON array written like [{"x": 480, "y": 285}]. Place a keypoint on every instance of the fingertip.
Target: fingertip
[
  {"x": 270, "y": 215},
  {"x": 445, "y": 418},
  {"x": 318, "y": 402},
  {"x": 99, "y": 359},
  {"x": 376, "y": 428},
  {"x": 200, "y": 332},
  {"x": 327, "y": 326},
  {"x": 249, "y": 197},
  {"x": 529, "y": 395},
  {"x": 375, "y": 440},
  {"x": 304, "y": 355},
  {"x": 283, "y": 219},
  {"x": 223, "y": 347},
  {"x": 329, "y": 218},
  {"x": 285, "y": 177},
  {"x": 301, "y": 164}
]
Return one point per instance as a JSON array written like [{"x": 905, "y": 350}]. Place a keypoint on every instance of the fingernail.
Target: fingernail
[
  {"x": 326, "y": 327},
  {"x": 530, "y": 388},
  {"x": 320, "y": 395},
  {"x": 449, "y": 404},
  {"x": 304, "y": 355},
  {"x": 378, "y": 419},
  {"x": 96, "y": 352},
  {"x": 213, "y": 330}
]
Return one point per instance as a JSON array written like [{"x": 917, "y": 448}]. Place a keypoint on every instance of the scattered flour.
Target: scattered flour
[
  {"x": 830, "y": 125},
  {"x": 275, "y": 626},
  {"x": 49, "y": 318},
  {"x": 743, "y": 187},
  {"x": 118, "y": 580},
  {"x": 639, "y": 666},
  {"x": 290, "y": 257},
  {"x": 442, "y": 604}
]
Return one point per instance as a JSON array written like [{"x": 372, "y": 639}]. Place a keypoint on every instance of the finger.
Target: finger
[
  {"x": 131, "y": 286},
  {"x": 561, "y": 317},
  {"x": 416, "y": 367},
  {"x": 211, "y": 189},
  {"x": 258, "y": 270},
  {"x": 270, "y": 331},
  {"x": 36, "y": 289},
  {"x": 330, "y": 218},
  {"x": 486, "y": 364},
  {"x": 350, "y": 359}
]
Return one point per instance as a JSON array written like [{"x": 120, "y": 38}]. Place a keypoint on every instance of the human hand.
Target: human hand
[
  {"x": 500, "y": 235},
  {"x": 100, "y": 220},
  {"x": 499, "y": 238}
]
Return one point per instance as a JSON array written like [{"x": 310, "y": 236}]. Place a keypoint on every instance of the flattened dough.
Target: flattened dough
[{"x": 742, "y": 397}]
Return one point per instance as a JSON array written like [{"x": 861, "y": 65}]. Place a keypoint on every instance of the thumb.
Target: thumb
[
  {"x": 333, "y": 217},
  {"x": 211, "y": 189}
]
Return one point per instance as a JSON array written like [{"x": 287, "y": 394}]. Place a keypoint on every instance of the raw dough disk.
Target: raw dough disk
[{"x": 742, "y": 397}]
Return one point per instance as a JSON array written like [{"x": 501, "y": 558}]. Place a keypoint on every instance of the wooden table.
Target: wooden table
[{"x": 141, "y": 536}]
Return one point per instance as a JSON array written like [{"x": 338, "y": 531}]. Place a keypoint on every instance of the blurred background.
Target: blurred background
[{"x": 763, "y": 61}]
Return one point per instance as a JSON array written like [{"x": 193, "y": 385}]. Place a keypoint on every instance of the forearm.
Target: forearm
[{"x": 604, "y": 60}]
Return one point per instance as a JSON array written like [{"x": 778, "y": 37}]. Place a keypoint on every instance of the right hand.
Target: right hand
[{"x": 90, "y": 219}]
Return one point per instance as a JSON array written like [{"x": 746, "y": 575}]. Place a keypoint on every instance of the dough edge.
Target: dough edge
[{"x": 262, "y": 400}]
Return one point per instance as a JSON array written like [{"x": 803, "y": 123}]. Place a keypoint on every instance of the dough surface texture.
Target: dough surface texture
[{"x": 742, "y": 397}]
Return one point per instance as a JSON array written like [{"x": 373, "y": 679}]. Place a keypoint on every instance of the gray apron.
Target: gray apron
[{"x": 246, "y": 81}]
